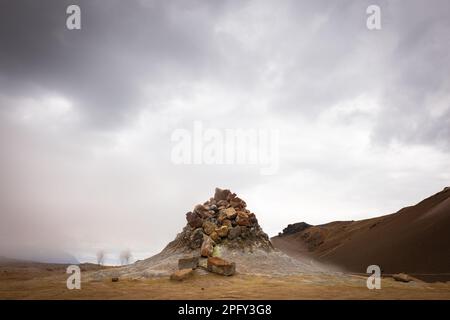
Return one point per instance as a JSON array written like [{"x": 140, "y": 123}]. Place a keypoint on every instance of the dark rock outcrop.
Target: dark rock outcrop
[{"x": 294, "y": 228}]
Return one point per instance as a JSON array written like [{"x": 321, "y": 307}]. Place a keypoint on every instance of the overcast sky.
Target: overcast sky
[{"x": 86, "y": 116}]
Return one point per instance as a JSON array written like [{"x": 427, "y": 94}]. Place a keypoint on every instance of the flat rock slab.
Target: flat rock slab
[
  {"x": 221, "y": 266},
  {"x": 402, "y": 277},
  {"x": 188, "y": 262}
]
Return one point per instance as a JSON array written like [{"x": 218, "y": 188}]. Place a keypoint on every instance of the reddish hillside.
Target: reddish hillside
[{"x": 415, "y": 240}]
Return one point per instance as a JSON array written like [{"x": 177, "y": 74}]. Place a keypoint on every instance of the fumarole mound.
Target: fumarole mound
[{"x": 222, "y": 227}]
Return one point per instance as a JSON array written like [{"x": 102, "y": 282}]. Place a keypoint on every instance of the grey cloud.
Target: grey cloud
[
  {"x": 417, "y": 80},
  {"x": 102, "y": 66}
]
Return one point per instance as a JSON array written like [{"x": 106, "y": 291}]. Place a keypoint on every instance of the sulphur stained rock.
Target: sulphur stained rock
[
  {"x": 222, "y": 231},
  {"x": 209, "y": 227},
  {"x": 227, "y": 223},
  {"x": 214, "y": 236}
]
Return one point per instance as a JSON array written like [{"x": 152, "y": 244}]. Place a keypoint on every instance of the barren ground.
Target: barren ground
[{"x": 49, "y": 282}]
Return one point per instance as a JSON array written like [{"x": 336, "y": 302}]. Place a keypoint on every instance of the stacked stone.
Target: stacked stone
[
  {"x": 222, "y": 219},
  {"x": 187, "y": 265}
]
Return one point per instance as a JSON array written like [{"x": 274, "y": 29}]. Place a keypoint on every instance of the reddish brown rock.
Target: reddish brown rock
[
  {"x": 252, "y": 218},
  {"x": 207, "y": 247},
  {"x": 238, "y": 203},
  {"x": 221, "y": 194},
  {"x": 222, "y": 203},
  {"x": 221, "y": 266},
  {"x": 181, "y": 275},
  {"x": 202, "y": 211},
  {"x": 194, "y": 220},
  {"x": 243, "y": 221},
  {"x": 231, "y": 196},
  {"x": 242, "y": 214}
]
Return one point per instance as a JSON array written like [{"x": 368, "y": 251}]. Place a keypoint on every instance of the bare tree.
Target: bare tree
[
  {"x": 100, "y": 257},
  {"x": 125, "y": 257}
]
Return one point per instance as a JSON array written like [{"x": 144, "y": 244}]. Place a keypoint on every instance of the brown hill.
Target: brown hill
[{"x": 415, "y": 240}]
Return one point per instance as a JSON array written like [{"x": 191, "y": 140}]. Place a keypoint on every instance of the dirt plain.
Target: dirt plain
[{"x": 43, "y": 281}]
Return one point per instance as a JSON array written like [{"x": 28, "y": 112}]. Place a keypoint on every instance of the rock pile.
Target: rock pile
[
  {"x": 223, "y": 219},
  {"x": 221, "y": 223}
]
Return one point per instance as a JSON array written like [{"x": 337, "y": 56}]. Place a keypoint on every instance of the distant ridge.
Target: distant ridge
[{"x": 415, "y": 240}]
